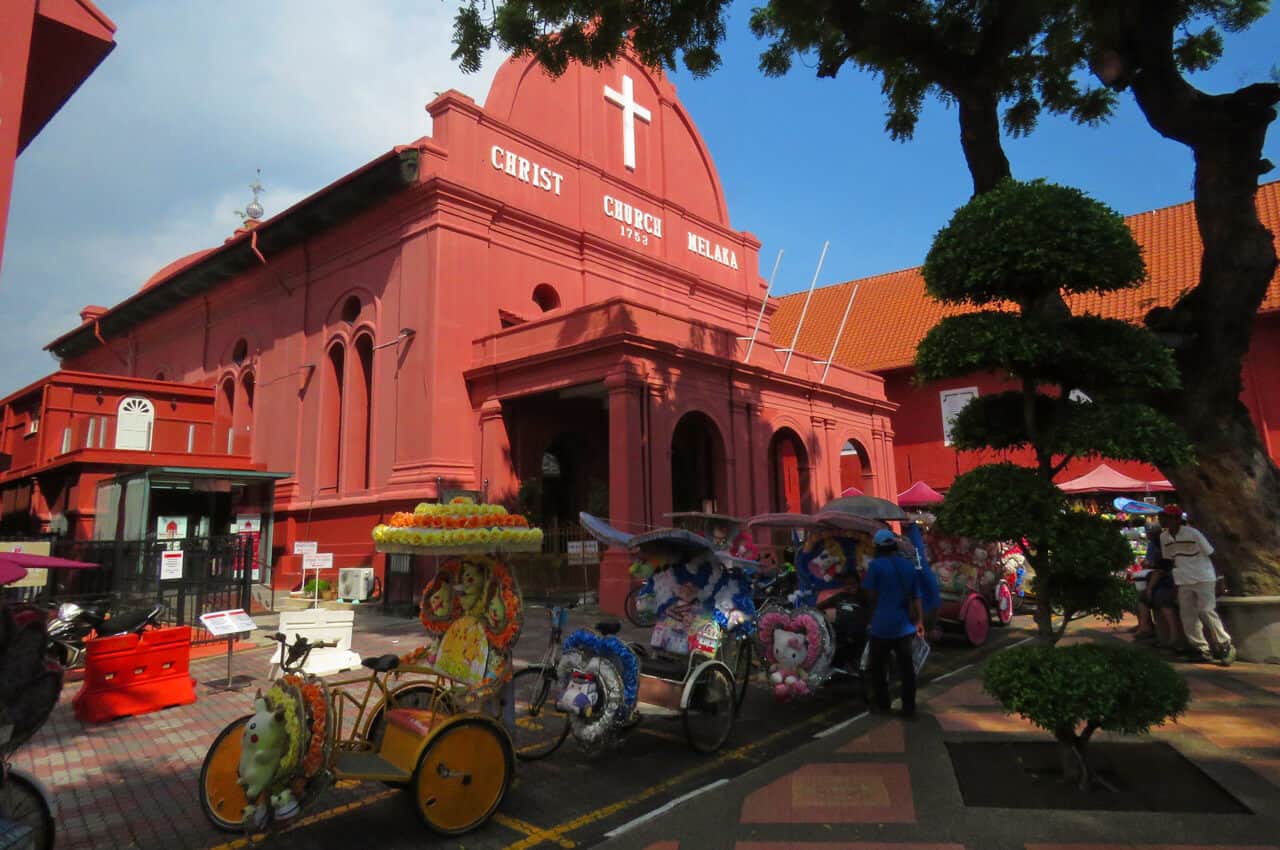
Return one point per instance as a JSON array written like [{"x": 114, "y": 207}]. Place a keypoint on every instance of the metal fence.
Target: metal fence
[{"x": 212, "y": 574}]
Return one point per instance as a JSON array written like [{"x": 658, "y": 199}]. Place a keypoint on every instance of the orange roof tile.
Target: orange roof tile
[{"x": 892, "y": 312}]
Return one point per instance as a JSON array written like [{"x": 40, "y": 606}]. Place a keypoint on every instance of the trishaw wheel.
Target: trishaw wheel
[
  {"x": 22, "y": 802},
  {"x": 539, "y": 727},
  {"x": 709, "y": 712},
  {"x": 1004, "y": 604},
  {"x": 409, "y": 696},
  {"x": 643, "y": 619},
  {"x": 463, "y": 775},
  {"x": 977, "y": 620},
  {"x": 221, "y": 796}
]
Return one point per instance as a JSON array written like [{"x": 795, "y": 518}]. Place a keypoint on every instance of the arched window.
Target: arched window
[
  {"x": 330, "y": 446},
  {"x": 789, "y": 473},
  {"x": 360, "y": 415},
  {"x": 135, "y": 419},
  {"x": 224, "y": 412},
  {"x": 160, "y": 375},
  {"x": 546, "y": 297},
  {"x": 240, "y": 351},
  {"x": 241, "y": 414}
]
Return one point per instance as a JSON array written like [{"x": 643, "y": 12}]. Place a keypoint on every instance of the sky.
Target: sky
[{"x": 152, "y": 157}]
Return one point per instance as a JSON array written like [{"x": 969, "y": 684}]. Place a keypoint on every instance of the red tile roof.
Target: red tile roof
[{"x": 892, "y": 312}]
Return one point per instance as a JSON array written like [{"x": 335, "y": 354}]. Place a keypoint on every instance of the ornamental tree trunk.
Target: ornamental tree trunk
[
  {"x": 1232, "y": 489},
  {"x": 1073, "y": 750}
]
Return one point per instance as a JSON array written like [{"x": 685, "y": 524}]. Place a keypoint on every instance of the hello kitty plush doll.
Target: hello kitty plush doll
[{"x": 792, "y": 645}]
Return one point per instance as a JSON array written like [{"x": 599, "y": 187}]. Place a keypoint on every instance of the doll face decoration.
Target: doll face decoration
[
  {"x": 719, "y": 538},
  {"x": 440, "y": 603},
  {"x": 471, "y": 584},
  {"x": 496, "y": 612},
  {"x": 828, "y": 563}
]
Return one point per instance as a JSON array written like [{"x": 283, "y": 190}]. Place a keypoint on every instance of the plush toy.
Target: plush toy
[
  {"x": 581, "y": 694},
  {"x": 265, "y": 741},
  {"x": 792, "y": 645}
]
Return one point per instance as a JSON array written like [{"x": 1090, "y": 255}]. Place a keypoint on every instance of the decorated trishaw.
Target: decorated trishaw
[
  {"x": 694, "y": 668},
  {"x": 980, "y": 582},
  {"x": 820, "y": 629},
  {"x": 430, "y": 722}
]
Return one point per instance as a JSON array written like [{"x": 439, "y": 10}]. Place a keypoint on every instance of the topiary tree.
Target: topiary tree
[
  {"x": 1017, "y": 251},
  {"x": 1073, "y": 691}
]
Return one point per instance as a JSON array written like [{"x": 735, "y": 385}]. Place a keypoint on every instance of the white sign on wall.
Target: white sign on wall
[
  {"x": 953, "y": 401},
  {"x": 171, "y": 565},
  {"x": 171, "y": 527},
  {"x": 305, "y": 547},
  {"x": 248, "y": 523},
  {"x": 525, "y": 170}
]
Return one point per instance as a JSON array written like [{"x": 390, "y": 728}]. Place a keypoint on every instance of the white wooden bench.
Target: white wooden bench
[{"x": 320, "y": 624}]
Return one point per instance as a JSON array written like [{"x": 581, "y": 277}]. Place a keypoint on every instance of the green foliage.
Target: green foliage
[
  {"x": 999, "y": 501},
  {"x": 1083, "y": 574},
  {"x": 1114, "y": 428},
  {"x": 1088, "y": 353},
  {"x": 1113, "y": 687},
  {"x": 1020, "y": 241}
]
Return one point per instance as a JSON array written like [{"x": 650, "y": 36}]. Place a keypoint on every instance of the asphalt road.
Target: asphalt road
[{"x": 571, "y": 799}]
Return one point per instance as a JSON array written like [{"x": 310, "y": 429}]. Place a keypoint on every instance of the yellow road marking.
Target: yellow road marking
[
  {"x": 666, "y": 736},
  {"x": 532, "y": 831},
  {"x": 318, "y": 817}
]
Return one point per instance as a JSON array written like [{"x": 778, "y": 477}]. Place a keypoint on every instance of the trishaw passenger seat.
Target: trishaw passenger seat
[
  {"x": 609, "y": 627},
  {"x": 382, "y": 663},
  {"x": 415, "y": 721}
]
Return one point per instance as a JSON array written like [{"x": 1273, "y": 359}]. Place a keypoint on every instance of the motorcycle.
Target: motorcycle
[{"x": 74, "y": 622}]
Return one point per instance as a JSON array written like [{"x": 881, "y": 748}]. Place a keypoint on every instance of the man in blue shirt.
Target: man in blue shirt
[{"x": 890, "y": 585}]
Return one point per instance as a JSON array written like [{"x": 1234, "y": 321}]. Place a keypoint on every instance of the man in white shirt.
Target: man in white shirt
[{"x": 1194, "y": 575}]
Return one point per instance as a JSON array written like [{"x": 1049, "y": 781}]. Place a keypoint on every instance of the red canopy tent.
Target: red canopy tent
[
  {"x": 918, "y": 495},
  {"x": 1161, "y": 485},
  {"x": 851, "y": 491},
  {"x": 1104, "y": 479}
]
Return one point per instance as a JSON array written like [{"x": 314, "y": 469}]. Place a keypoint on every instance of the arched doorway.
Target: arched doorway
[
  {"x": 855, "y": 467},
  {"x": 789, "y": 473},
  {"x": 697, "y": 465}
]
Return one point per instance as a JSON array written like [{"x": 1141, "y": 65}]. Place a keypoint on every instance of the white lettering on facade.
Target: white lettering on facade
[
  {"x": 636, "y": 224},
  {"x": 526, "y": 170},
  {"x": 704, "y": 247}
]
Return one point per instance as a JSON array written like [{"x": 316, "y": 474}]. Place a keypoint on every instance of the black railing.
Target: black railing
[{"x": 213, "y": 575}]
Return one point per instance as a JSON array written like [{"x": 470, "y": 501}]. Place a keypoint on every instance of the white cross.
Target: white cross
[{"x": 630, "y": 112}]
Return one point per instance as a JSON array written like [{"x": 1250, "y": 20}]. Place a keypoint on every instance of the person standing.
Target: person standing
[
  {"x": 1196, "y": 580},
  {"x": 890, "y": 586}
]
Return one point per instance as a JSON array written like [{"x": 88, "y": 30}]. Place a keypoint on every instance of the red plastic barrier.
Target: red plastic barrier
[{"x": 135, "y": 674}]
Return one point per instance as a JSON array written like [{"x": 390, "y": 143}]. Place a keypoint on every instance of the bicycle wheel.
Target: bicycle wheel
[
  {"x": 643, "y": 619},
  {"x": 22, "y": 802},
  {"x": 462, "y": 775},
  {"x": 540, "y": 728},
  {"x": 708, "y": 716},
  {"x": 221, "y": 796}
]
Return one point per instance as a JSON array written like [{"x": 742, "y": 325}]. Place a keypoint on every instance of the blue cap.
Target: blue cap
[{"x": 885, "y": 537}]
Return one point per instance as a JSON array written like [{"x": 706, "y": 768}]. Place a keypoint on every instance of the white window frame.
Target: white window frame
[
  {"x": 953, "y": 401},
  {"x": 135, "y": 423}
]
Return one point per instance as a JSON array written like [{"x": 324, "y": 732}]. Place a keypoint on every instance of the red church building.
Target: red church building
[
  {"x": 544, "y": 301},
  {"x": 892, "y": 313}
]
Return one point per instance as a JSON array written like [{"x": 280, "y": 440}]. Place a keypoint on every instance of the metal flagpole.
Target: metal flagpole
[
  {"x": 840, "y": 333},
  {"x": 805, "y": 310},
  {"x": 763, "y": 304}
]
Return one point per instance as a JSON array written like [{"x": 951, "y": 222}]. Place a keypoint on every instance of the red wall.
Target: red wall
[{"x": 920, "y": 454}]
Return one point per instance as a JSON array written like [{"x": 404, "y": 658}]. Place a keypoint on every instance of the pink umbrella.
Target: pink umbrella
[
  {"x": 11, "y": 572},
  {"x": 919, "y": 494},
  {"x": 27, "y": 561},
  {"x": 851, "y": 491}
]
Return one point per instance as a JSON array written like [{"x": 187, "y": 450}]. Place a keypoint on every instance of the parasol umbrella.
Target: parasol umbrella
[
  {"x": 605, "y": 533},
  {"x": 851, "y": 491},
  {"x": 43, "y": 562},
  {"x": 11, "y": 572},
  {"x": 867, "y": 507},
  {"x": 1132, "y": 506},
  {"x": 781, "y": 520},
  {"x": 919, "y": 494}
]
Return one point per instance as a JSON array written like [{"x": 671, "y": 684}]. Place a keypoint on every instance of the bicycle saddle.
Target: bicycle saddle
[
  {"x": 382, "y": 663},
  {"x": 609, "y": 627}
]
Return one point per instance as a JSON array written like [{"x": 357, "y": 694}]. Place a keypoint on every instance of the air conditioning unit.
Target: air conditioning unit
[{"x": 355, "y": 583}]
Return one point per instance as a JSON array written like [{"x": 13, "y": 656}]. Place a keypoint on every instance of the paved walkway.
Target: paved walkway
[{"x": 881, "y": 783}]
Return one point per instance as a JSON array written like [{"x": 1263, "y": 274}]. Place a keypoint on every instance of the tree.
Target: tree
[
  {"x": 1026, "y": 244},
  {"x": 1073, "y": 691},
  {"x": 1024, "y": 55}
]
